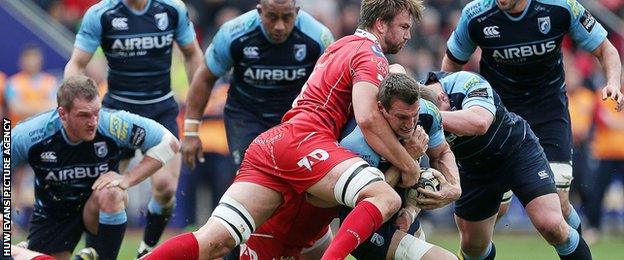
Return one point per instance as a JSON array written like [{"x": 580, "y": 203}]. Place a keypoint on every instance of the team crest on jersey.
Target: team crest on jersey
[
  {"x": 300, "y": 51},
  {"x": 162, "y": 21},
  {"x": 101, "y": 150},
  {"x": 543, "y": 23}
]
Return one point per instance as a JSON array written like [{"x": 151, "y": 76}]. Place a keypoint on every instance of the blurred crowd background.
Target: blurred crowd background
[{"x": 38, "y": 38}]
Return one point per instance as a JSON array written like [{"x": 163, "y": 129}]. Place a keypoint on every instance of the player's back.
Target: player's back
[
  {"x": 325, "y": 100},
  {"x": 505, "y": 134}
]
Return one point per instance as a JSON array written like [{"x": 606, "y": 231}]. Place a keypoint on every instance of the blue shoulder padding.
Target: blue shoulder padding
[
  {"x": 460, "y": 45},
  {"x": 313, "y": 28},
  {"x": 354, "y": 141},
  {"x": 185, "y": 33},
  {"x": 31, "y": 131},
  {"x": 218, "y": 57},
  {"x": 90, "y": 33},
  {"x": 436, "y": 133},
  {"x": 130, "y": 130}
]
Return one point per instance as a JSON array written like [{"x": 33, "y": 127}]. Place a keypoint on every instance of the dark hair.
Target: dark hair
[
  {"x": 76, "y": 87},
  {"x": 398, "y": 86},
  {"x": 386, "y": 10}
]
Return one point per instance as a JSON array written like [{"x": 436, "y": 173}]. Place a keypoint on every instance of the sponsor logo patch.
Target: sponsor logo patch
[
  {"x": 588, "y": 21},
  {"x": 137, "y": 135}
]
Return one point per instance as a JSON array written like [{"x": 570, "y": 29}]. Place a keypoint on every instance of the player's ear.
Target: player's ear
[
  {"x": 259, "y": 8},
  {"x": 297, "y": 9},
  {"x": 380, "y": 107},
  {"x": 380, "y": 25},
  {"x": 62, "y": 113}
]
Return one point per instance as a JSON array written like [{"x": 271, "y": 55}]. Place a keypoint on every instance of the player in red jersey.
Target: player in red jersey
[{"x": 301, "y": 156}]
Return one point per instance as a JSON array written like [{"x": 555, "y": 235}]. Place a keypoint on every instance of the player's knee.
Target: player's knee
[
  {"x": 354, "y": 180},
  {"x": 474, "y": 246},
  {"x": 164, "y": 191},
  {"x": 411, "y": 247},
  {"x": 554, "y": 230},
  {"x": 111, "y": 199},
  {"x": 235, "y": 218}
]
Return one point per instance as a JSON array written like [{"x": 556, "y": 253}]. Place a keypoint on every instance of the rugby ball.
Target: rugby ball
[{"x": 426, "y": 181}]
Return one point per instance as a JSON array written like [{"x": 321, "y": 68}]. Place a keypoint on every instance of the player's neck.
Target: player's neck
[
  {"x": 519, "y": 8},
  {"x": 137, "y": 5}
]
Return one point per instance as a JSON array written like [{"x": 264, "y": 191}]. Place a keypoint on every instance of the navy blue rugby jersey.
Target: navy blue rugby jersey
[
  {"x": 521, "y": 55},
  {"x": 266, "y": 76},
  {"x": 507, "y": 131},
  {"x": 65, "y": 171},
  {"x": 137, "y": 46}
]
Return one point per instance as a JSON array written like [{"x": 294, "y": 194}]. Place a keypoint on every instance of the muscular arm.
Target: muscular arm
[
  {"x": 475, "y": 120},
  {"x": 77, "y": 63},
  {"x": 378, "y": 133},
  {"x": 193, "y": 58},
  {"x": 442, "y": 159},
  {"x": 612, "y": 66},
  {"x": 450, "y": 65}
]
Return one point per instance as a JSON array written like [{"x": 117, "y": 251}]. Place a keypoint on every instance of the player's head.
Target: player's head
[
  {"x": 278, "y": 18},
  {"x": 31, "y": 59},
  {"x": 509, "y": 5},
  {"x": 390, "y": 21},
  {"x": 398, "y": 103},
  {"x": 433, "y": 92},
  {"x": 78, "y": 107}
]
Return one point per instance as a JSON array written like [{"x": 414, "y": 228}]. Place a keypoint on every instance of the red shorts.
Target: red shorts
[
  {"x": 291, "y": 157},
  {"x": 264, "y": 246}
]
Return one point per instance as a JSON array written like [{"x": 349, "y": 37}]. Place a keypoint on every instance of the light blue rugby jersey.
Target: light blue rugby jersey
[
  {"x": 428, "y": 117},
  {"x": 521, "y": 55},
  {"x": 65, "y": 171},
  {"x": 266, "y": 76},
  {"x": 137, "y": 45}
]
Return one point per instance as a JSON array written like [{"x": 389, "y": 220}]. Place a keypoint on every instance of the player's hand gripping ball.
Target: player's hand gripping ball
[{"x": 426, "y": 181}]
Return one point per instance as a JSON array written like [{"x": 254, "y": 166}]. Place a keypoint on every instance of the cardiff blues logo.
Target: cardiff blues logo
[
  {"x": 162, "y": 21},
  {"x": 544, "y": 24},
  {"x": 300, "y": 51},
  {"x": 100, "y": 149}
]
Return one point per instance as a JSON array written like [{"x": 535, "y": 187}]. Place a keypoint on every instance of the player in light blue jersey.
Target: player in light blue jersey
[
  {"x": 137, "y": 38},
  {"x": 271, "y": 52},
  {"x": 75, "y": 152},
  {"x": 496, "y": 151},
  {"x": 522, "y": 59},
  {"x": 410, "y": 118}
]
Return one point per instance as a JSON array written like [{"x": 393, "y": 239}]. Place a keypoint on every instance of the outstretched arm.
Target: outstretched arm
[{"x": 612, "y": 66}]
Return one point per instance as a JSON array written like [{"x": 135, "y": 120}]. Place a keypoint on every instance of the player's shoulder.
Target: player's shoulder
[
  {"x": 178, "y": 5},
  {"x": 241, "y": 25},
  {"x": 427, "y": 107},
  {"x": 37, "y": 127},
  {"x": 101, "y": 7},
  {"x": 313, "y": 28},
  {"x": 477, "y": 8}
]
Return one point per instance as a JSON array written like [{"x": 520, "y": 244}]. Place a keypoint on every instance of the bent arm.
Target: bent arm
[
  {"x": 610, "y": 61},
  {"x": 77, "y": 63},
  {"x": 475, "y": 120},
  {"x": 155, "y": 157},
  {"x": 442, "y": 159},
  {"x": 450, "y": 65}
]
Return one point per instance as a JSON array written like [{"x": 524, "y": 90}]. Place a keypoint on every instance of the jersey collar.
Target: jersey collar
[
  {"x": 364, "y": 34},
  {"x": 518, "y": 18}
]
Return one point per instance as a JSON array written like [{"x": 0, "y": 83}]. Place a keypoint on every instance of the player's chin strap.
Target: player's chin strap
[
  {"x": 563, "y": 174},
  {"x": 163, "y": 151}
]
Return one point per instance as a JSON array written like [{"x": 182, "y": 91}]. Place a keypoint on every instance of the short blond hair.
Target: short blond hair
[
  {"x": 73, "y": 87},
  {"x": 386, "y": 10}
]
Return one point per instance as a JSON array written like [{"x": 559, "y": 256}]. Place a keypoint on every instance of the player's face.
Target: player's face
[
  {"x": 397, "y": 32},
  {"x": 81, "y": 120},
  {"x": 402, "y": 117},
  {"x": 278, "y": 18}
]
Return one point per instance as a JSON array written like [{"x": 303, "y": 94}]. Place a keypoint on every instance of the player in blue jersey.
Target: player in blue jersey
[
  {"x": 272, "y": 51},
  {"x": 75, "y": 152},
  {"x": 496, "y": 151},
  {"x": 411, "y": 119},
  {"x": 521, "y": 57},
  {"x": 137, "y": 38}
]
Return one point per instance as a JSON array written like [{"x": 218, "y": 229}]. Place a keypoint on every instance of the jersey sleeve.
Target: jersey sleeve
[
  {"x": 90, "y": 33},
  {"x": 316, "y": 30},
  {"x": 355, "y": 142},
  {"x": 218, "y": 57},
  {"x": 585, "y": 30},
  {"x": 130, "y": 130},
  {"x": 184, "y": 33},
  {"x": 477, "y": 90},
  {"x": 436, "y": 132},
  {"x": 369, "y": 65},
  {"x": 19, "y": 146},
  {"x": 459, "y": 45},
  {"x": 30, "y": 132}
]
